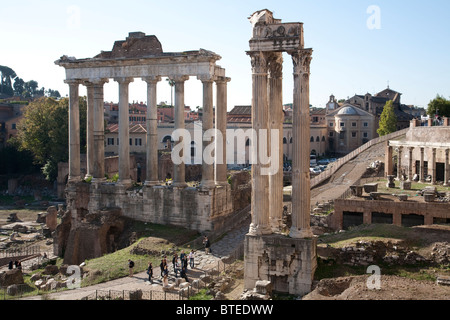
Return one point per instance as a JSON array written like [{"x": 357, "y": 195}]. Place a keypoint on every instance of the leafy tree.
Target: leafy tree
[
  {"x": 388, "y": 120},
  {"x": 6, "y": 76},
  {"x": 44, "y": 132},
  {"x": 30, "y": 89},
  {"x": 19, "y": 86},
  {"x": 439, "y": 106}
]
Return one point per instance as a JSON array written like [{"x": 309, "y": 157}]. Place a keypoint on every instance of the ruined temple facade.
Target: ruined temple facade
[
  {"x": 287, "y": 261},
  {"x": 203, "y": 208}
]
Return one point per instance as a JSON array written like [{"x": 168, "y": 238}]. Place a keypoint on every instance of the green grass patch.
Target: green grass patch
[{"x": 201, "y": 295}]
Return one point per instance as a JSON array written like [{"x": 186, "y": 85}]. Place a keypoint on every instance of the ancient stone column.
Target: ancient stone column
[
  {"x": 207, "y": 124},
  {"x": 410, "y": 163},
  {"x": 260, "y": 223},
  {"x": 124, "y": 131},
  {"x": 179, "y": 169},
  {"x": 90, "y": 150},
  {"x": 433, "y": 166},
  {"x": 388, "y": 160},
  {"x": 399, "y": 163},
  {"x": 422, "y": 166},
  {"x": 276, "y": 117},
  {"x": 99, "y": 130},
  {"x": 152, "y": 132},
  {"x": 220, "y": 171},
  {"x": 446, "y": 168},
  {"x": 74, "y": 131},
  {"x": 301, "y": 136}
]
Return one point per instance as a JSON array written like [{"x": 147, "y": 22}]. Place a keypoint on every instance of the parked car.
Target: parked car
[{"x": 314, "y": 171}]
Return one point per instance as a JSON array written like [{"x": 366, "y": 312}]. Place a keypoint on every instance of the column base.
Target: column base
[
  {"x": 256, "y": 230},
  {"x": 73, "y": 179},
  {"x": 207, "y": 184},
  {"x": 179, "y": 184},
  {"x": 151, "y": 183},
  {"x": 304, "y": 233},
  {"x": 124, "y": 183},
  {"x": 222, "y": 183},
  {"x": 98, "y": 180}
]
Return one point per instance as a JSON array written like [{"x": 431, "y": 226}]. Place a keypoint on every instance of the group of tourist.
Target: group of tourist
[
  {"x": 16, "y": 264},
  {"x": 179, "y": 264}
]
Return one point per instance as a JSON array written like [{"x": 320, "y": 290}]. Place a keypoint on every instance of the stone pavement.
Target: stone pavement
[{"x": 203, "y": 263}]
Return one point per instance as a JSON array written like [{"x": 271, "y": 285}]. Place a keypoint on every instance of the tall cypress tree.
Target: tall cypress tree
[{"x": 388, "y": 120}]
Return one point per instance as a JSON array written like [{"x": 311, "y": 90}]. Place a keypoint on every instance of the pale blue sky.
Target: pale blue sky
[{"x": 411, "y": 48}]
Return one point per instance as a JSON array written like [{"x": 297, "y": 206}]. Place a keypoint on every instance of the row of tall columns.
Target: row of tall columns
[
  {"x": 267, "y": 115},
  {"x": 95, "y": 130},
  {"x": 432, "y": 164}
]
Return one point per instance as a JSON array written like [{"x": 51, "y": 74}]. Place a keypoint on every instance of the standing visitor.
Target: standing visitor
[
  {"x": 130, "y": 266},
  {"x": 191, "y": 259},
  {"x": 150, "y": 272}
]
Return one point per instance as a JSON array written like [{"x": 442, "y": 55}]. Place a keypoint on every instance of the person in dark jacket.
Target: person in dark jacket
[{"x": 150, "y": 272}]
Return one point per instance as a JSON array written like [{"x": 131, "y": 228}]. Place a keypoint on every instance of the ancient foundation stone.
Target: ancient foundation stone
[{"x": 287, "y": 263}]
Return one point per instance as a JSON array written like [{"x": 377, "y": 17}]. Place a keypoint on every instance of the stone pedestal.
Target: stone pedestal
[
  {"x": 405, "y": 185},
  {"x": 288, "y": 263},
  {"x": 391, "y": 182}
]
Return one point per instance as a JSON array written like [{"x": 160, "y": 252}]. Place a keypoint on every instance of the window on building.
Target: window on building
[
  {"x": 353, "y": 134},
  {"x": 353, "y": 124},
  {"x": 342, "y": 135},
  {"x": 110, "y": 141},
  {"x": 117, "y": 141},
  {"x": 284, "y": 140},
  {"x": 342, "y": 124},
  {"x": 365, "y": 135},
  {"x": 13, "y": 126},
  {"x": 317, "y": 139},
  {"x": 138, "y": 141},
  {"x": 366, "y": 124},
  {"x": 331, "y": 134},
  {"x": 323, "y": 138},
  {"x": 312, "y": 139},
  {"x": 131, "y": 141},
  {"x": 331, "y": 124}
]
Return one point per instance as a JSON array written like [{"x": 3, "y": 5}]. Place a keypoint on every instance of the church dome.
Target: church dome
[{"x": 347, "y": 111}]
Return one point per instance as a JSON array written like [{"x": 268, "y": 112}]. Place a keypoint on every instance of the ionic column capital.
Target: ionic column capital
[
  {"x": 151, "y": 79},
  {"x": 97, "y": 81},
  {"x": 124, "y": 80},
  {"x": 179, "y": 78},
  {"x": 73, "y": 82},
  {"x": 222, "y": 80}
]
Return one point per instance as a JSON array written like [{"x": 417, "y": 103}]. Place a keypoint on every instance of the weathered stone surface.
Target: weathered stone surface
[
  {"x": 51, "y": 270},
  {"x": 11, "y": 277}
]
